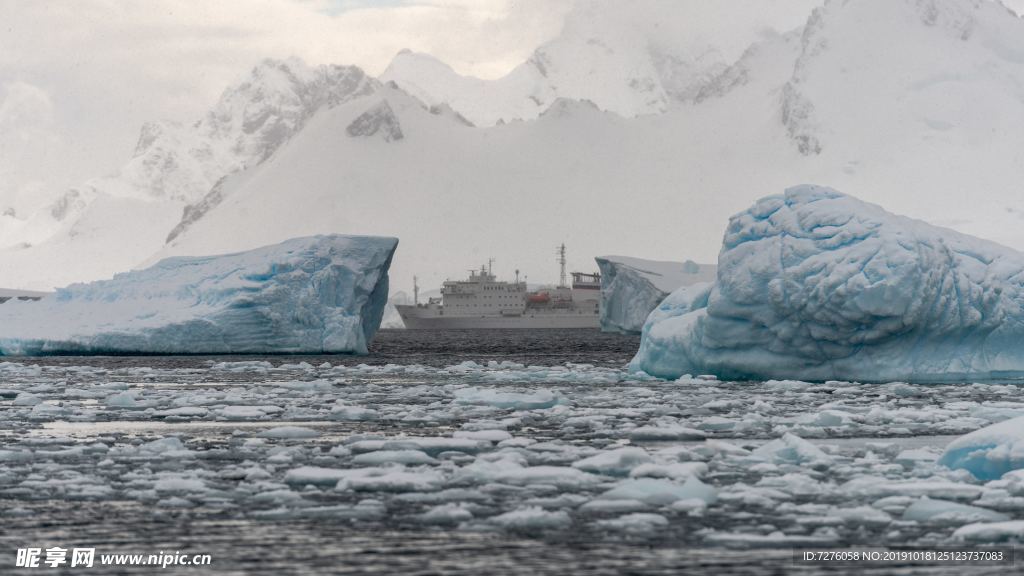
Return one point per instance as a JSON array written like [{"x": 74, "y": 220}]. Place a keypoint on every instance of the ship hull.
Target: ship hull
[{"x": 415, "y": 320}]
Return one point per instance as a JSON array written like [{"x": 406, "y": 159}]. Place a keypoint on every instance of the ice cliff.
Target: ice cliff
[
  {"x": 817, "y": 285},
  {"x": 632, "y": 287},
  {"x": 306, "y": 295}
]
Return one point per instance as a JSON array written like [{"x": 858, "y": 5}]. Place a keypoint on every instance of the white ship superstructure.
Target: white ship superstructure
[{"x": 483, "y": 301}]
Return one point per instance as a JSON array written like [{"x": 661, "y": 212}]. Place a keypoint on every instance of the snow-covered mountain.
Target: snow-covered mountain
[
  {"x": 914, "y": 103},
  {"x": 631, "y": 57},
  {"x": 112, "y": 223}
]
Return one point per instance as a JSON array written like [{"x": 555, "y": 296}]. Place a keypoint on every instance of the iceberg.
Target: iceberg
[
  {"x": 320, "y": 294},
  {"x": 816, "y": 285},
  {"x": 990, "y": 452},
  {"x": 632, "y": 287}
]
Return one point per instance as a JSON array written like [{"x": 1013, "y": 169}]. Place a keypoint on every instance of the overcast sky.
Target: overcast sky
[{"x": 78, "y": 78}]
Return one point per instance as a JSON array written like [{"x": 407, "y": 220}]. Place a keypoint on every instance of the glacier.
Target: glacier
[
  {"x": 318, "y": 294},
  {"x": 632, "y": 287},
  {"x": 816, "y": 285}
]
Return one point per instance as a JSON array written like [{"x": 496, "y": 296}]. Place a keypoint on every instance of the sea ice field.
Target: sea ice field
[{"x": 500, "y": 452}]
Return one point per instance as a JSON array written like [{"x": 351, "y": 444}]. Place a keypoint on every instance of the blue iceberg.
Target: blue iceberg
[
  {"x": 817, "y": 285},
  {"x": 321, "y": 294},
  {"x": 632, "y": 287},
  {"x": 990, "y": 452}
]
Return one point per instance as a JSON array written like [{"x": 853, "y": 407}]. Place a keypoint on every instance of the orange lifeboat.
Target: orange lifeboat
[{"x": 539, "y": 298}]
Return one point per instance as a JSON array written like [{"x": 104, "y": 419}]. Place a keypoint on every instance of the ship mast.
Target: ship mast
[
  {"x": 415, "y": 290},
  {"x": 560, "y": 251}
]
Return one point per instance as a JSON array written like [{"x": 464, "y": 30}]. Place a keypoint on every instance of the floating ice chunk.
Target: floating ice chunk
[
  {"x": 168, "y": 445},
  {"x": 532, "y": 519},
  {"x": 826, "y": 418},
  {"x": 311, "y": 295},
  {"x": 12, "y": 456},
  {"x": 538, "y": 400},
  {"x": 243, "y": 412},
  {"x": 557, "y": 502},
  {"x": 315, "y": 475},
  {"x": 693, "y": 506},
  {"x": 174, "y": 502},
  {"x": 559, "y": 476},
  {"x": 183, "y": 412},
  {"x": 773, "y": 540},
  {"x": 179, "y": 483},
  {"x": 636, "y": 523},
  {"x": 126, "y": 399},
  {"x": 990, "y": 452},
  {"x": 600, "y": 506},
  {"x": 666, "y": 432},
  {"x": 878, "y": 487},
  {"x": 446, "y": 515},
  {"x": 353, "y": 413},
  {"x": 795, "y": 483},
  {"x": 991, "y": 532},
  {"x": 282, "y": 497},
  {"x": 616, "y": 462},
  {"x": 816, "y": 285},
  {"x": 455, "y": 495},
  {"x": 511, "y": 468},
  {"x": 712, "y": 448},
  {"x": 928, "y": 510},
  {"x": 410, "y": 457},
  {"x": 484, "y": 435},
  {"x": 48, "y": 411},
  {"x": 244, "y": 366},
  {"x": 289, "y": 433},
  {"x": 363, "y": 510},
  {"x": 657, "y": 492},
  {"x": 631, "y": 288},
  {"x": 393, "y": 479},
  {"x": 26, "y": 399},
  {"x": 435, "y": 445},
  {"x": 860, "y": 516},
  {"x": 432, "y": 445},
  {"x": 911, "y": 458},
  {"x": 718, "y": 423},
  {"x": 791, "y": 449},
  {"x": 673, "y": 470}
]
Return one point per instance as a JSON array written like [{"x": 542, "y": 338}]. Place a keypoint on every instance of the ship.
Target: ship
[{"x": 482, "y": 301}]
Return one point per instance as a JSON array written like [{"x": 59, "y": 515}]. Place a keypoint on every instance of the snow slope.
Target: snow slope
[
  {"x": 632, "y": 287},
  {"x": 632, "y": 58},
  {"x": 943, "y": 78},
  {"x": 112, "y": 223},
  {"x": 308, "y": 295},
  {"x": 816, "y": 285}
]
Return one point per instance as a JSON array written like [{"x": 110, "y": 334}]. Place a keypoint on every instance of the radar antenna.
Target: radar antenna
[{"x": 560, "y": 251}]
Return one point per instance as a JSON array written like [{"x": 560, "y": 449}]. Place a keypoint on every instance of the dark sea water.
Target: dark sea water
[
  {"x": 42, "y": 503},
  {"x": 426, "y": 347}
]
